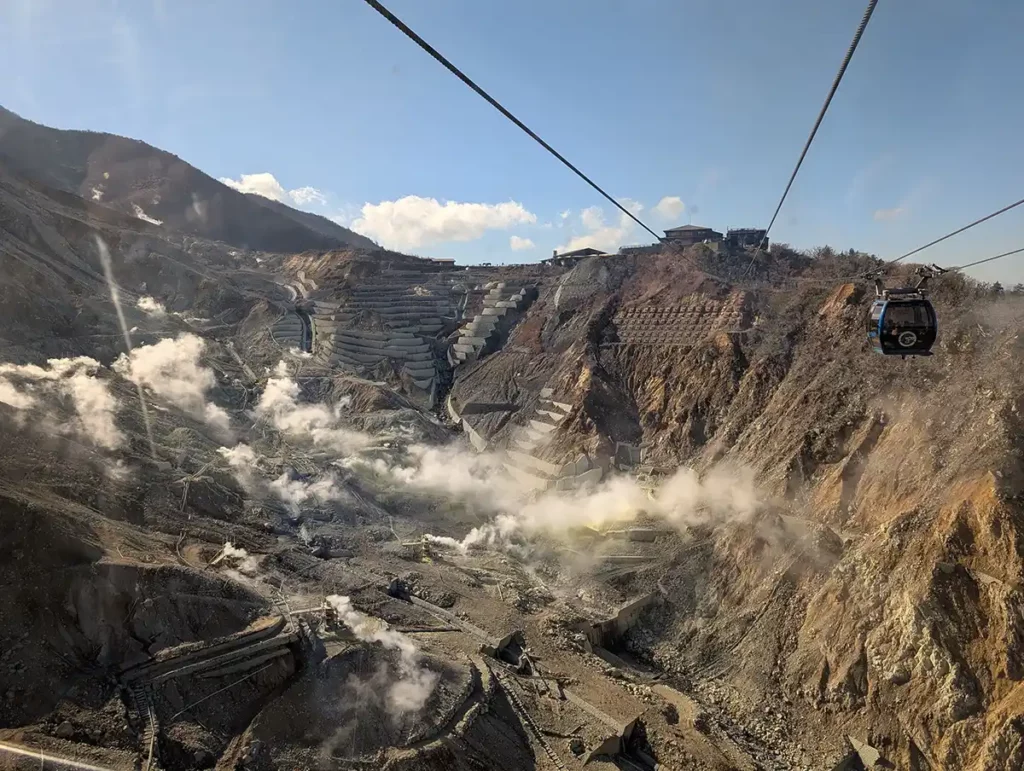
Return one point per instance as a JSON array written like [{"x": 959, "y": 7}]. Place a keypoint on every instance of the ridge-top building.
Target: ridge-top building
[
  {"x": 688, "y": 235},
  {"x": 746, "y": 238}
]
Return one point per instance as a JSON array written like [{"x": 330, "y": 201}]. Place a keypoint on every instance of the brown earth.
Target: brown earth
[{"x": 874, "y": 593}]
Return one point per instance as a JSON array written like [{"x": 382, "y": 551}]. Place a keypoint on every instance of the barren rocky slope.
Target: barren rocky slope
[
  {"x": 140, "y": 180},
  {"x": 903, "y": 620},
  {"x": 869, "y": 588}
]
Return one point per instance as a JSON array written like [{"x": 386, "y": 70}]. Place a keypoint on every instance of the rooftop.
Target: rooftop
[
  {"x": 584, "y": 252},
  {"x": 687, "y": 228}
]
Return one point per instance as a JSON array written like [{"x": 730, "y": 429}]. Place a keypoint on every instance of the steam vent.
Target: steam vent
[{"x": 339, "y": 507}]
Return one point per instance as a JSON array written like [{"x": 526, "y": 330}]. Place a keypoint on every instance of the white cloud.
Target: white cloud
[
  {"x": 592, "y": 217},
  {"x": 303, "y": 196},
  {"x": 670, "y": 207},
  {"x": 520, "y": 244},
  {"x": 265, "y": 184},
  {"x": 888, "y": 215},
  {"x": 565, "y": 214},
  {"x": 414, "y": 221},
  {"x": 601, "y": 235}
]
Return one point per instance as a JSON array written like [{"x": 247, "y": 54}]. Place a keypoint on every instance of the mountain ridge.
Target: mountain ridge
[{"x": 141, "y": 180}]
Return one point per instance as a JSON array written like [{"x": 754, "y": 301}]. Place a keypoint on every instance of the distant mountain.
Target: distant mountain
[
  {"x": 143, "y": 181},
  {"x": 315, "y": 222}
]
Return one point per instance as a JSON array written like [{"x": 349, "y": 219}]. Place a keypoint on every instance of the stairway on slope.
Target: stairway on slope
[
  {"x": 503, "y": 305},
  {"x": 536, "y": 473}
]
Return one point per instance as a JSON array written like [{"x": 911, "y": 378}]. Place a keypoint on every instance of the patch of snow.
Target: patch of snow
[{"x": 143, "y": 216}]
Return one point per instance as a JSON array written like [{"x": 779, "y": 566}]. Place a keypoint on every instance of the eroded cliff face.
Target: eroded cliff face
[{"x": 879, "y": 593}]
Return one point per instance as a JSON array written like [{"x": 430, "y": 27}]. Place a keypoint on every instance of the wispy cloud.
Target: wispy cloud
[
  {"x": 914, "y": 200},
  {"x": 888, "y": 215},
  {"x": 126, "y": 53},
  {"x": 866, "y": 176},
  {"x": 518, "y": 244}
]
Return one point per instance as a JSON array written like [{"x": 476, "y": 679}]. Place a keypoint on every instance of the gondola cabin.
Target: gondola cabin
[{"x": 902, "y": 323}]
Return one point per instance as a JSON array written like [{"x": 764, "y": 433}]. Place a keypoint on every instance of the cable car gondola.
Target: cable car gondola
[{"x": 902, "y": 322}]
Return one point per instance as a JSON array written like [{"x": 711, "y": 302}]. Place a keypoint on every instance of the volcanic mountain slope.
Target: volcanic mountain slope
[
  {"x": 871, "y": 588},
  {"x": 900, "y": 621},
  {"x": 142, "y": 181},
  {"x": 54, "y": 298}
]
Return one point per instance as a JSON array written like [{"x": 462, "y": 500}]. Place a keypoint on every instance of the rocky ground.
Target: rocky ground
[{"x": 843, "y": 570}]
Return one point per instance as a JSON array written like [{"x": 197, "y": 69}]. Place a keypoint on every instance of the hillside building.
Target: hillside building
[
  {"x": 746, "y": 238},
  {"x": 568, "y": 259},
  {"x": 688, "y": 235}
]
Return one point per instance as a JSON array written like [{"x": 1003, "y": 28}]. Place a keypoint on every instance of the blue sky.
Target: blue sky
[{"x": 704, "y": 101}]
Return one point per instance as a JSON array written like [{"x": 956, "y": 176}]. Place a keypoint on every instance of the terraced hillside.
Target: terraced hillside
[
  {"x": 902, "y": 630},
  {"x": 649, "y": 515}
]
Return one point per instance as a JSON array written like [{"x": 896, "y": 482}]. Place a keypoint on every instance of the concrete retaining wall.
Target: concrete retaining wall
[
  {"x": 527, "y": 479},
  {"x": 543, "y": 466},
  {"x": 475, "y": 438},
  {"x": 608, "y": 634}
]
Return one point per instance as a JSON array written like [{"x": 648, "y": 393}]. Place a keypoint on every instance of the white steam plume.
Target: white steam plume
[
  {"x": 171, "y": 369},
  {"x": 316, "y": 423},
  {"x": 76, "y": 379},
  {"x": 685, "y": 499},
  {"x": 246, "y": 564},
  {"x": 294, "y": 493},
  {"x": 12, "y": 397},
  {"x": 449, "y": 470},
  {"x": 416, "y": 682},
  {"x": 152, "y": 306}
]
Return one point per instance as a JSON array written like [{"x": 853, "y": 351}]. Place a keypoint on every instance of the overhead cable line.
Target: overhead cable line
[
  {"x": 494, "y": 103},
  {"x": 842, "y": 279},
  {"x": 957, "y": 232},
  {"x": 987, "y": 259},
  {"x": 821, "y": 115}
]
